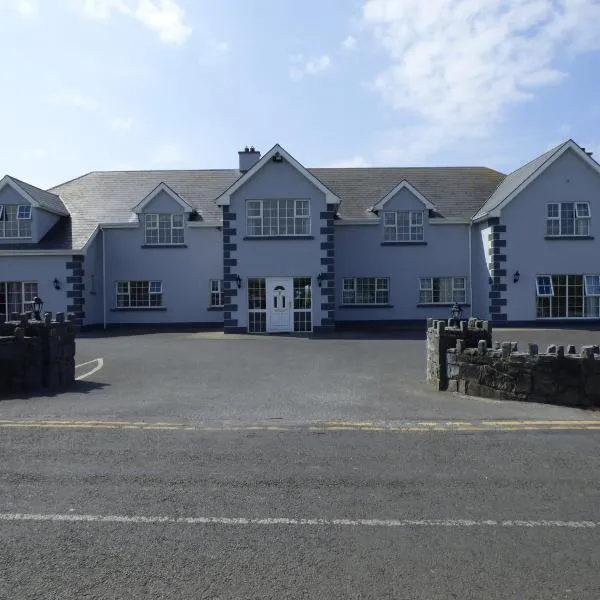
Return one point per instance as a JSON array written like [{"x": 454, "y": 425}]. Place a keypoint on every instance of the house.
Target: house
[{"x": 275, "y": 247}]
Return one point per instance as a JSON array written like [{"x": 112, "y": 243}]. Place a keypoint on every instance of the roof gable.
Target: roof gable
[
  {"x": 163, "y": 187},
  {"x": 276, "y": 153},
  {"x": 35, "y": 196},
  {"x": 518, "y": 180},
  {"x": 403, "y": 185}
]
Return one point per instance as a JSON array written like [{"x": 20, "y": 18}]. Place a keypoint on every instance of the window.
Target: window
[
  {"x": 403, "y": 226},
  {"x": 257, "y": 305},
  {"x": 164, "y": 229},
  {"x": 216, "y": 292},
  {"x": 568, "y": 219},
  {"x": 567, "y": 296},
  {"x": 592, "y": 285},
  {"x": 442, "y": 290},
  {"x": 139, "y": 294},
  {"x": 366, "y": 290},
  {"x": 277, "y": 217},
  {"x": 16, "y": 297},
  {"x": 15, "y": 221},
  {"x": 543, "y": 286},
  {"x": 302, "y": 304}
]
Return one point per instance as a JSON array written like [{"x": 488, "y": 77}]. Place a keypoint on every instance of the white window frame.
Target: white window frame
[
  {"x": 27, "y": 216},
  {"x": 152, "y": 283},
  {"x": 564, "y": 303},
  {"x": 416, "y": 226},
  {"x": 381, "y": 285},
  {"x": 216, "y": 293},
  {"x": 25, "y": 304},
  {"x": 578, "y": 215},
  {"x": 539, "y": 285},
  {"x": 590, "y": 282},
  {"x": 156, "y": 228},
  {"x": 301, "y": 211},
  {"x": 23, "y": 225},
  {"x": 426, "y": 284}
]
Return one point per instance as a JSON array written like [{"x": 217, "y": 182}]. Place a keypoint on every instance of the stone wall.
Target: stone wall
[
  {"x": 557, "y": 377},
  {"x": 460, "y": 358},
  {"x": 443, "y": 335},
  {"x": 36, "y": 355}
]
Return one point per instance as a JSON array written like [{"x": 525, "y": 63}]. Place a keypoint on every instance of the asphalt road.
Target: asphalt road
[
  {"x": 292, "y": 468},
  {"x": 532, "y": 477}
]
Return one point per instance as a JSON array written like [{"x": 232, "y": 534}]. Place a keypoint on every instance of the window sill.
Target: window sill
[
  {"x": 568, "y": 237},
  {"x": 215, "y": 308},
  {"x": 344, "y": 306},
  {"x": 164, "y": 246},
  {"x": 441, "y": 304},
  {"x": 279, "y": 237},
  {"x": 140, "y": 309},
  {"x": 421, "y": 243}
]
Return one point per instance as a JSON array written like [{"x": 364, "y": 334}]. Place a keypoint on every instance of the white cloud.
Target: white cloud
[
  {"x": 312, "y": 66},
  {"x": 164, "y": 17},
  {"x": 456, "y": 66},
  {"x": 26, "y": 8},
  {"x": 349, "y": 42},
  {"x": 355, "y": 161}
]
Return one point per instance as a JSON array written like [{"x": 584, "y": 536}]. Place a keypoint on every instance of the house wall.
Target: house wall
[
  {"x": 162, "y": 203},
  {"x": 361, "y": 252},
  {"x": 43, "y": 269},
  {"x": 249, "y": 257},
  {"x": 480, "y": 248},
  {"x": 92, "y": 280},
  {"x": 569, "y": 178},
  {"x": 185, "y": 272},
  {"x": 42, "y": 222}
]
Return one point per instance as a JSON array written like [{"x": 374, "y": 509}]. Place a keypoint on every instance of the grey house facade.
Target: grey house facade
[{"x": 275, "y": 247}]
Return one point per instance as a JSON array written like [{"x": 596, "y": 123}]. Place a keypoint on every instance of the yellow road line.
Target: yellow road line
[{"x": 327, "y": 426}]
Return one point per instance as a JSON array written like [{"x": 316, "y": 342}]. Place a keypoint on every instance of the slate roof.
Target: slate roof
[
  {"x": 457, "y": 192},
  {"x": 109, "y": 196},
  {"x": 514, "y": 180},
  {"x": 44, "y": 198}
]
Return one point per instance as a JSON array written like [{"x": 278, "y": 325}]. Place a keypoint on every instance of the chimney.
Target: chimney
[{"x": 248, "y": 158}]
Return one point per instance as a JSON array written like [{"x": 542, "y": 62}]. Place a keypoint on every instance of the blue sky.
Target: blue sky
[{"x": 147, "y": 84}]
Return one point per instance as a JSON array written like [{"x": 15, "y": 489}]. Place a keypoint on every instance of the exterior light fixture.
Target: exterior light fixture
[
  {"x": 56, "y": 283},
  {"x": 320, "y": 278},
  {"x": 277, "y": 157},
  {"x": 238, "y": 280},
  {"x": 456, "y": 311},
  {"x": 38, "y": 304},
  {"x": 516, "y": 276}
]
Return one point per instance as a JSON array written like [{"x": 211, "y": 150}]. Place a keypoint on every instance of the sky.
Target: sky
[{"x": 185, "y": 84}]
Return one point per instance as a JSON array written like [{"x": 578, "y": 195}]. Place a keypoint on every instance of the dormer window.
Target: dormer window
[
  {"x": 15, "y": 221},
  {"x": 403, "y": 226},
  {"x": 164, "y": 229}
]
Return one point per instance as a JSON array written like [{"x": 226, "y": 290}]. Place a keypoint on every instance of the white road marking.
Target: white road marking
[
  {"x": 100, "y": 364},
  {"x": 236, "y": 521}
]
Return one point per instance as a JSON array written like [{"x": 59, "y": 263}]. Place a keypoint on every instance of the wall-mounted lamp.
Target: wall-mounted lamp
[
  {"x": 238, "y": 280},
  {"x": 56, "y": 283},
  {"x": 277, "y": 157},
  {"x": 516, "y": 276},
  {"x": 320, "y": 278}
]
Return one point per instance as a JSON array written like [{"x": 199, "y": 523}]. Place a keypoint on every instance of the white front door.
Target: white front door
[{"x": 280, "y": 301}]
